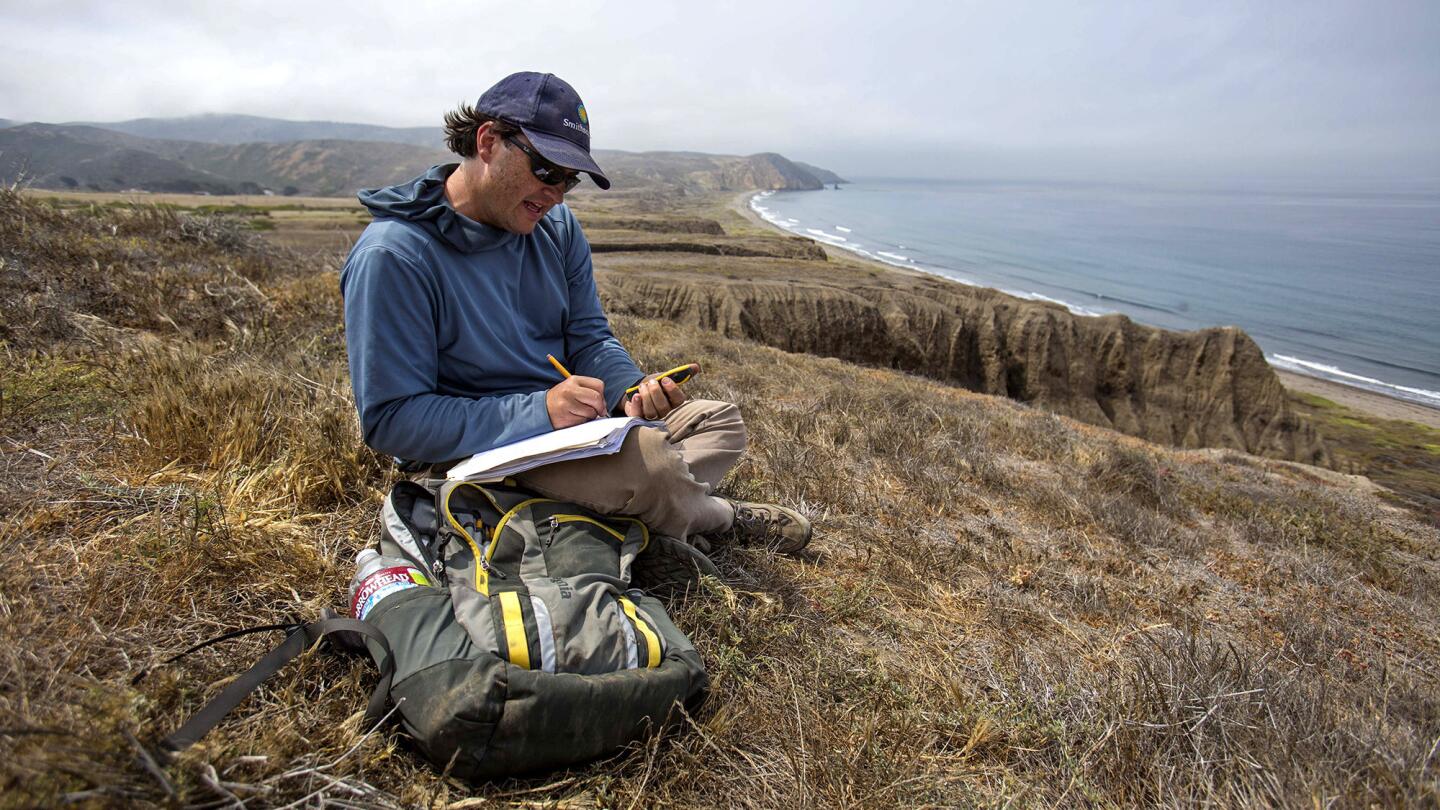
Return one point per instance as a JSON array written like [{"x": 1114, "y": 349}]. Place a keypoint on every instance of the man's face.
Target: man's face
[{"x": 514, "y": 198}]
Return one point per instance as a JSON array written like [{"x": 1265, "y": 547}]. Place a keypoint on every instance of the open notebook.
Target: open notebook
[{"x": 599, "y": 437}]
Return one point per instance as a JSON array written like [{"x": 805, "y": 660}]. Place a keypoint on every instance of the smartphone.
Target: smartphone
[{"x": 678, "y": 375}]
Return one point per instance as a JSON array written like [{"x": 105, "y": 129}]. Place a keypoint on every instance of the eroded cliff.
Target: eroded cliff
[{"x": 1210, "y": 388}]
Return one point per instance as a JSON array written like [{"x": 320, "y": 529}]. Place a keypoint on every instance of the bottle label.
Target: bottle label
[{"x": 383, "y": 583}]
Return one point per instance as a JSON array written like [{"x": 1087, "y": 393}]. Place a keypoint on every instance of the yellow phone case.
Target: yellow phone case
[{"x": 679, "y": 374}]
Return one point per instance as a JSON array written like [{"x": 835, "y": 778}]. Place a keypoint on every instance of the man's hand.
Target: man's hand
[
  {"x": 655, "y": 398},
  {"x": 575, "y": 401}
]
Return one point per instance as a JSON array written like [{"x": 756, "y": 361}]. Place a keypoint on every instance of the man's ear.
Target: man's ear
[{"x": 486, "y": 141}]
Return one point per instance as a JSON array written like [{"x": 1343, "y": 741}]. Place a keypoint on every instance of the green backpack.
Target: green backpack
[
  {"x": 528, "y": 649},
  {"x": 522, "y": 646}
]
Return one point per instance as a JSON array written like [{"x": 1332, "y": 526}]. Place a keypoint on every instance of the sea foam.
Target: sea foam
[
  {"x": 1340, "y": 375},
  {"x": 897, "y": 259}
]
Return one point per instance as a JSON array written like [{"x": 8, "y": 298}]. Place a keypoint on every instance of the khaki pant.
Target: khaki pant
[{"x": 665, "y": 479}]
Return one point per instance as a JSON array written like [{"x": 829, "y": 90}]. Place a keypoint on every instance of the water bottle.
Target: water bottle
[{"x": 378, "y": 578}]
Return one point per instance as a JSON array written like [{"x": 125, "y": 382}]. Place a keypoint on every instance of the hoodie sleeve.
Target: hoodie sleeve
[
  {"x": 589, "y": 344},
  {"x": 391, "y": 308}
]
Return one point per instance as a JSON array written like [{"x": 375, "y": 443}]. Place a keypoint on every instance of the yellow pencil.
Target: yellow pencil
[{"x": 556, "y": 364}]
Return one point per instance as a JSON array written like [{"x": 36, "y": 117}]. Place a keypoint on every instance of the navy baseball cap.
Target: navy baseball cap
[{"x": 550, "y": 113}]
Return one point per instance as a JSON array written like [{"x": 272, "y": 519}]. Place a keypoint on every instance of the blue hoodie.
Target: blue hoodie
[{"x": 448, "y": 322}]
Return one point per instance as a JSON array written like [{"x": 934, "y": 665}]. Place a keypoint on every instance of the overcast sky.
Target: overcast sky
[{"x": 881, "y": 87}]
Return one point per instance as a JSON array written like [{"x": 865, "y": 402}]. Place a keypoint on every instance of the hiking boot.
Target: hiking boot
[
  {"x": 669, "y": 567},
  {"x": 776, "y": 527}
]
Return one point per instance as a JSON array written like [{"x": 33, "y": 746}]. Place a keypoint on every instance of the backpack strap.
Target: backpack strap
[{"x": 300, "y": 638}]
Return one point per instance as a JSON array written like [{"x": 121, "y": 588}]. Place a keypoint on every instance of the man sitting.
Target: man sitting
[{"x": 471, "y": 274}]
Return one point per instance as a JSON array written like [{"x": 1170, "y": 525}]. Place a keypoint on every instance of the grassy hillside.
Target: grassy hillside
[
  {"x": 1002, "y": 606},
  {"x": 1402, "y": 455}
]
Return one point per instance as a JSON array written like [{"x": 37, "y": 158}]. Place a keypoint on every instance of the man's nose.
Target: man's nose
[{"x": 554, "y": 193}]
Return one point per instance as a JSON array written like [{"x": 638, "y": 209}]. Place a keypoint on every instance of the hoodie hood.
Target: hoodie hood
[{"x": 423, "y": 202}]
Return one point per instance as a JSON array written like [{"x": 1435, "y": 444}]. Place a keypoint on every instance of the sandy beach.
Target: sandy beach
[
  {"x": 1377, "y": 405},
  {"x": 1359, "y": 399}
]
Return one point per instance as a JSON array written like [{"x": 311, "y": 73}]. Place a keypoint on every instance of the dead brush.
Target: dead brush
[
  {"x": 270, "y": 429},
  {"x": 129, "y": 603},
  {"x": 1191, "y": 716},
  {"x": 1299, "y": 519},
  {"x": 148, "y": 268}
]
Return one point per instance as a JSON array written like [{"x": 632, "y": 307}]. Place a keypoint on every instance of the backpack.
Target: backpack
[
  {"x": 530, "y": 650},
  {"x": 524, "y": 649}
]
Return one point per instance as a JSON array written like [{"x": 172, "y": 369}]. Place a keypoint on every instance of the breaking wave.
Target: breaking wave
[
  {"x": 1339, "y": 375},
  {"x": 894, "y": 259}
]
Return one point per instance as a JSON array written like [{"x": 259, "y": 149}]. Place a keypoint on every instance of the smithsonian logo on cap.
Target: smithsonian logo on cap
[{"x": 584, "y": 119}]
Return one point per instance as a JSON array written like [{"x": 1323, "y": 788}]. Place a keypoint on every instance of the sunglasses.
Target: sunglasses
[{"x": 547, "y": 172}]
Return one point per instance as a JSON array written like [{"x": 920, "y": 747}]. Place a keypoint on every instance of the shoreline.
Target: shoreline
[
  {"x": 741, "y": 204},
  {"x": 1373, "y": 403}
]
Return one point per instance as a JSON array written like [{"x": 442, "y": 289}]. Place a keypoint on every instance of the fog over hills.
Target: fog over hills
[{"x": 234, "y": 154}]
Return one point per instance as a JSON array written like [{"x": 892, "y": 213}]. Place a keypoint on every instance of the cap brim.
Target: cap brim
[{"x": 565, "y": 154}]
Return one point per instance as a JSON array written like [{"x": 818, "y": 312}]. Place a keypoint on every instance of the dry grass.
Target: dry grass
[
  {"x": 1002, "y": 606},
  {"x": 1402, "y": 456}
]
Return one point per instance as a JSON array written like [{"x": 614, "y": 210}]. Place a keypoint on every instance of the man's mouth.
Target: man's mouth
[{"x": 534, "y": 208}]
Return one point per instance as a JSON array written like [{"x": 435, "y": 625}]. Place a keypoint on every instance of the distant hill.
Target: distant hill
[
  {"x": 87, "y": 158},
  {"x": 90, "y": 158},
  {"x": 696, "y": 171},
  {"x": 93, "y": 159},
  {"x": 6, "y": 123},
  {"x": 223, "y": 128},
  {"x": 321, "y": 168}
]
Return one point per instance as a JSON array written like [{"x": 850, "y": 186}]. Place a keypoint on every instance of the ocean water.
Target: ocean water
[{"x": 1342, "y": 286}]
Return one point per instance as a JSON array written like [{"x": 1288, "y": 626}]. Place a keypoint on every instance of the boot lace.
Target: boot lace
[{"x": 760, "y": 520}]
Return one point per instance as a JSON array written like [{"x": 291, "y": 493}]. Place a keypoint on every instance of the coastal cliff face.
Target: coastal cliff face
[
  {"x": 1210, "y": 388},
  {"x": 768, "y": 170}
]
